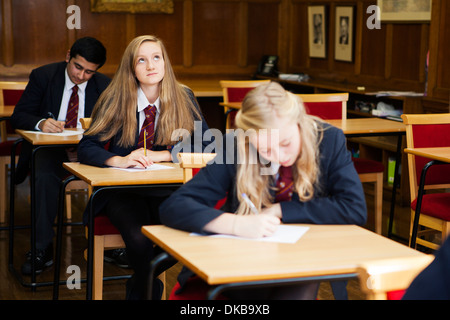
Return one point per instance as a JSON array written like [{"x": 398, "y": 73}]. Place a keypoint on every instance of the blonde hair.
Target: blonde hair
[
  {"x": 257, "y": 113},
  {"x": 116, "y": 108}
]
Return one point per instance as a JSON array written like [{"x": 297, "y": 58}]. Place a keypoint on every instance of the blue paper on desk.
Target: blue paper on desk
[{"x": 284, "y": 234}]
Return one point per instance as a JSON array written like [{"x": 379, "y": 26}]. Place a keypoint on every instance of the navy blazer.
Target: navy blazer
[
  {"x": 433, "y": 283},
  {"x": 338, "y": 199},
  {"x": 94, "y": 152},
  {"x": 43, "y": 94}
]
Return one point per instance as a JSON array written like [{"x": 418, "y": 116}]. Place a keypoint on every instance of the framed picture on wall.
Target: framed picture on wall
[
  {"x": 316, "y": 28},
  {"x": 405, "y": 10},
  {"x": 343, "y": 43},
  {"x": 132, "y": 6}
]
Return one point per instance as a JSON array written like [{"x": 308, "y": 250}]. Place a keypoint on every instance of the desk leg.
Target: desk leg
[
  {"x": 60, "y": 218},
  {"x": 394, "y": 187},
  {"x": 12, "y": 191},
  {"x": 420, "y": 194},
  {"x": 157, "y": 261},
  {"x": 214, "y": 292}
]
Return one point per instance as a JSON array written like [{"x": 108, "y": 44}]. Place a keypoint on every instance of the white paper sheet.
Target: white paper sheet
[
  {"x": 65, "y": 133},
  {"x": 153, "y": 167},
  {"x": 284, "y": 234}
]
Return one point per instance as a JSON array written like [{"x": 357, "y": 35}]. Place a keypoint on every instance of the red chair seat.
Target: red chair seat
[
  {"x": 367, "y": 165},
  {"x": 5, "y": 148},
  {"x": 395, "y": 295},
  {"x": 435, "y": 205},
  {"x": 103, "y": 226},
  {"x": 195, "y": 289}
]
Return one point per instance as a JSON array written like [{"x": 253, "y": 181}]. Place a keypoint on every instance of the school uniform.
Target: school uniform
[
  {"x": 129, "y": 210},
  {"x": 338, "y": 199},
  {"x": 44, "y": 94}
]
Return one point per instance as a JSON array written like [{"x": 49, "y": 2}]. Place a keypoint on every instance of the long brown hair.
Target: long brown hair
[
  {"x": 256, "y": 114},
  {"x": 116, "y": 108}
]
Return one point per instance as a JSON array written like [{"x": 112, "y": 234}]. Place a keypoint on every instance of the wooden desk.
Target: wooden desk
[
  {"x": 436, "y": 155},
  {"x": 204, "y": 88},
  {"x": 102, "y": 179},
  {"x": 39, "y": 141},
  {"x": 325, "y": 252}
]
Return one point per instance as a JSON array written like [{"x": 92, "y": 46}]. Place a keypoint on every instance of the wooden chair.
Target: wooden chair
[
  {"x": 193, "y": 162},
  {"x": 235, "y": 91},
  {"x": 330, "y": 106},
  {"x": 427, "y": 131},
  {"x": 10, "y": 93},
  {"x": 388, "y": 280},
  {"x": 106, "y": 237}
]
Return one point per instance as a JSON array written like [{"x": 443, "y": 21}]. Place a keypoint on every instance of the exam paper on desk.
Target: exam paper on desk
[
  {"x": 65, "y": 133},
  {"x": 153, "y": 167},
  {"x": 284, "y": 234}
]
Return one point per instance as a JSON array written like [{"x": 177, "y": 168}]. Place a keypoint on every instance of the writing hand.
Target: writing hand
[
  {"x": 52, "y": 126},
  {"x": 255, "y": 226}
]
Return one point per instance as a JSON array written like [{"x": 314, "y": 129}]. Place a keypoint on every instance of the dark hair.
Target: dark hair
[{"x": 90, "y": 49}]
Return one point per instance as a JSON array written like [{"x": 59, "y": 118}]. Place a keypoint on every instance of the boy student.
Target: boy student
[{"x": 56, "y": 97}]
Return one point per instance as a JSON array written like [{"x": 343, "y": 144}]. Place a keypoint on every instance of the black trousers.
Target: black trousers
[
  {"x": 49, "y": 173},
  {"x": 128, "y": 212}
]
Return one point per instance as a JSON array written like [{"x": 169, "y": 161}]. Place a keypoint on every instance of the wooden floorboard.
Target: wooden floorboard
[{"x": 74, "y": 244}]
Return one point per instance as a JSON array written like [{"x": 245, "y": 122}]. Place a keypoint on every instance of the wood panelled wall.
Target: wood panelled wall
[{"x": 226, "y": 38}]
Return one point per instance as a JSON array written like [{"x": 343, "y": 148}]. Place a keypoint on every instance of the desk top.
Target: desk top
[
  {"x": 353, "y": 125},
  {"x": 323, "y": 250},
  {"x": 6, "y": 111},
  {"x": 96, "y": 176},
  {"x": 39, "y": 139},
  {"x": 439, "y": 153},
  {"x": 368, "y": 125},
  {"x": 204, "y": 88}
]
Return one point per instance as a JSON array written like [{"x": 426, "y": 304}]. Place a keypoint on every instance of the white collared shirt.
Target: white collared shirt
[
  {"x": 142, "y": 103},
  {"x": 66, "y": 97}
]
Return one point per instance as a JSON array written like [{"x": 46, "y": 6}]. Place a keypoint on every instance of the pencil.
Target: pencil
[
  {"x": 145, "y": 143},
  {"x": 250, "y": 203}
]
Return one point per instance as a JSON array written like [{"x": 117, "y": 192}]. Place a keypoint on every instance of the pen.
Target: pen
[
  {"x": 250, "y": 203},
  {"x": 50, "y": 115}
]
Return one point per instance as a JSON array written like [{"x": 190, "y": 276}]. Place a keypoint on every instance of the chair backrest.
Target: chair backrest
[
  {"x": 85, "y": 123},
  {"x": 389, "y": 279},
  {"x": 192, "y": 162},
  {"x": 427, "y": 131},
  {"x": 235, "y": 90},
  {"x": 327, "y": 106},
  {"x": 11, "y": 91}
]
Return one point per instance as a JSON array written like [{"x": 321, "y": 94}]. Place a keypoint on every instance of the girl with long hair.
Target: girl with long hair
[
  {"x": 293, "y": 167},
  {"x": 144, "y": 95}
]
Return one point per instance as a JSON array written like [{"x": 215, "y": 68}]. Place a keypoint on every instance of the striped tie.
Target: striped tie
[
  {"x": 149, "y": 127},
  {"x": 72, "y": 109},
  {"x": 285, "y": 184}
]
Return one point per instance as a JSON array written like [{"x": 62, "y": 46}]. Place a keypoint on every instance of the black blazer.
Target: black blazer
[
  {"x": 43, "y": 94},
  {"x": 339, "y": 197},
  {"x": 433, "y": 283},
  {"x": 94, "y": 152}
]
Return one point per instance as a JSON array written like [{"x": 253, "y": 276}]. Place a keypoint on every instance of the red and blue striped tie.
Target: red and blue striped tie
[
  {"x": 72, "y": 109},
  {"x": 149, "y": 127},
  {"x": 285, "y": 184}
]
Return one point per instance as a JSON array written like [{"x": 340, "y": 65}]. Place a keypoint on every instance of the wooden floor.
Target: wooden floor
[{"x": 74, "y": 243}]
